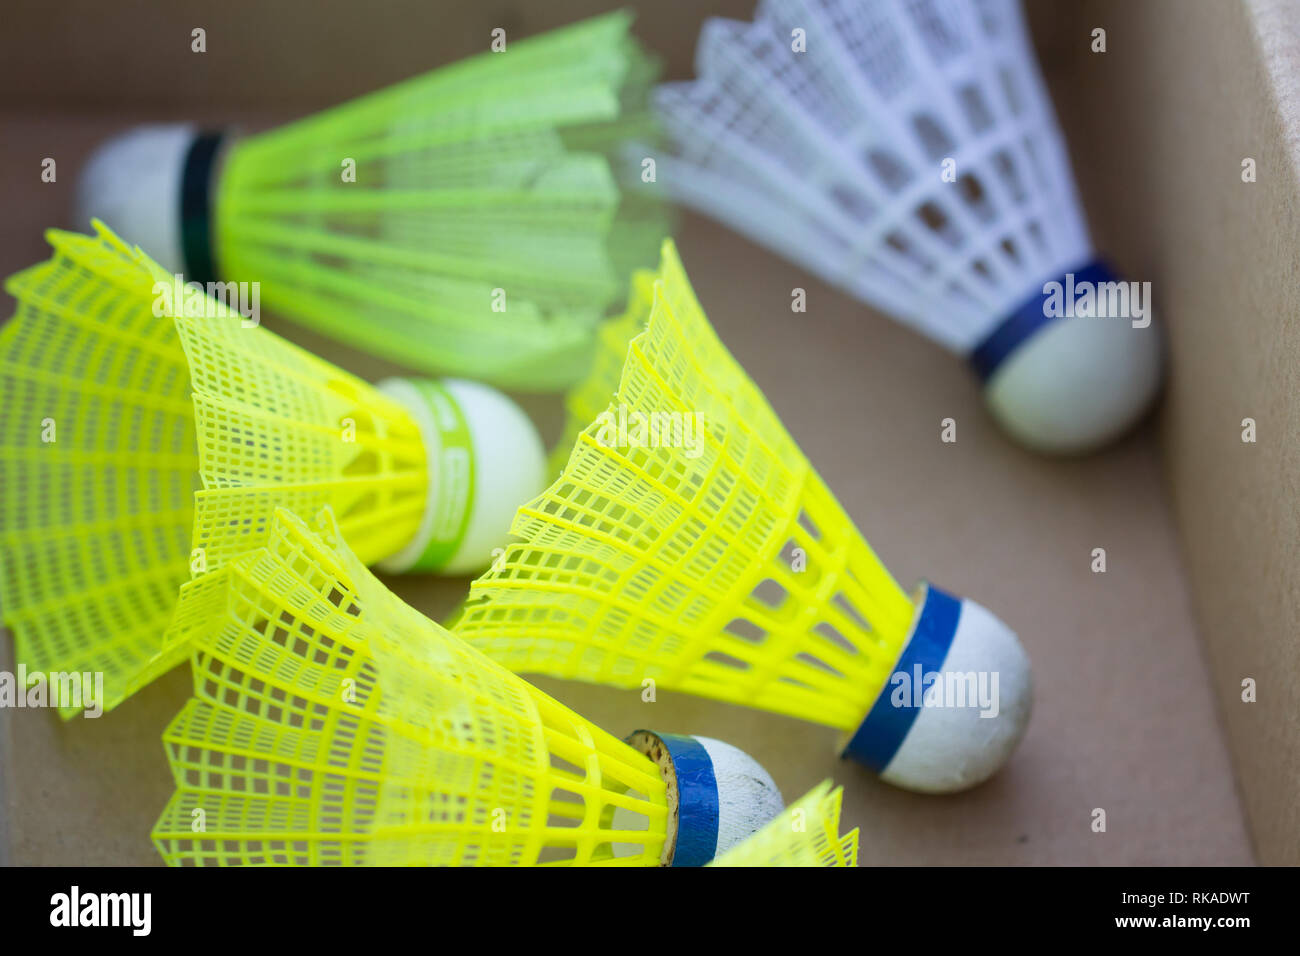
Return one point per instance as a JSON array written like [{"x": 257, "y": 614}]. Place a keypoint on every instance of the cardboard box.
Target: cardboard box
[{"x": 1138, "y": 670}]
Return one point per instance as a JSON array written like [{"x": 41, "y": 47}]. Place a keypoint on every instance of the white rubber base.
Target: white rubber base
[
  {"x": 509, "y": 470},
  {"x": 951, "y": 748},
  {"x": 1077, "y": 384},
  {"x": 133, "y": 183}
]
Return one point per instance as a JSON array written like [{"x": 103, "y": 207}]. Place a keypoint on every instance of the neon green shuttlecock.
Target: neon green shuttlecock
[
  {"x": 806, "y": 833},
  {"x": 690, "y": 542},
  {"x": 591, "y": 396},
  {"x": 464, "y": 222},
  {"x": 333, "y": 724},
  {"x": 147, "y": 433}
]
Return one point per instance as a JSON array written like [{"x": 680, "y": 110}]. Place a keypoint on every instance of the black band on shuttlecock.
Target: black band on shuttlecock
[
  {"x": 886, "y": 726},
  {"x": 1034, "y": 315},
  {"x": 196, "y": 208}
]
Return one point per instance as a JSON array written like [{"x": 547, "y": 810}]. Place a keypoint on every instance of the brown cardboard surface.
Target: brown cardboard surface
[
  {"x": 290, "y": 54},
  {"x": 1159, "y": 126},
  {"x": 1125, "y": 716}
]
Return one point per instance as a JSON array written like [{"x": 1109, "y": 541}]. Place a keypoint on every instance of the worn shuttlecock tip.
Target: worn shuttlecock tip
[
  {"x": 955, "y": 705},
  {"x": 718, "y": 796},
  {"x": 485, "y": 459},
  {"x": 151, "y": 184}
]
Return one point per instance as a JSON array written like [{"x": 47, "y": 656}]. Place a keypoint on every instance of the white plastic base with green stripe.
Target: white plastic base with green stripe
[{"x": 485, "y": 459}]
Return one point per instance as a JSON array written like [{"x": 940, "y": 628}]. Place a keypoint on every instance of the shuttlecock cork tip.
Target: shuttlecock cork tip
[
  {"x": 718, "y": 796},
  {"x": 1064, "y": 381},
  {"x": 955, "y": 705}
]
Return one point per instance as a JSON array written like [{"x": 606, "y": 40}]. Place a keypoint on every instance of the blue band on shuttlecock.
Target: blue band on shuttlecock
[
  {"x": 196, "y": 208},
  {"x": 1021, "y": 325},
  {"x": 878, "y": 738},
  {"x": 697, "y": 800}
]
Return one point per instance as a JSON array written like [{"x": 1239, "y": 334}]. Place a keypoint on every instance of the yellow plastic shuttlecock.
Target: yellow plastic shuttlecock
[
  {"x": 586, "y": 400},
  {"x": 147, "y": 434},
  {"x": 333, "y": 724},
  {"x": 690, "y": 542},
  {"x": 806, "y": 833},
  {"x": 463, "y": 222}
]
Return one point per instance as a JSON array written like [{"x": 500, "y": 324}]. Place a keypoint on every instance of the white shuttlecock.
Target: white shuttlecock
[{"x": 907, "y": 151}]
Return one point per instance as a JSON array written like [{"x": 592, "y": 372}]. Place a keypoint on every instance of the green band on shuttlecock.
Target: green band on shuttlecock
[{"x": 450, "y": 450}]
